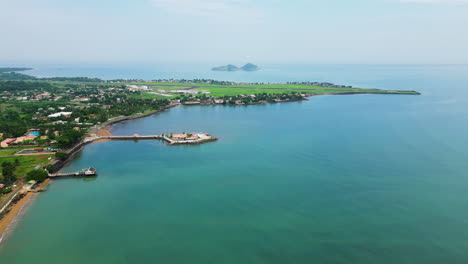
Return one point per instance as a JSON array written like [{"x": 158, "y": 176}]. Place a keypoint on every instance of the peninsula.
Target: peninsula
[{"x": 13, "y": 69}]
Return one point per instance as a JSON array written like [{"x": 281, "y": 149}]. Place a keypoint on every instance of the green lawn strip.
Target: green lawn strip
[
  {"x": 18, "y": 148},
  {"x": 227, "y": 90},
  {"x": 148, "y": 95},
  {"x": 7, "y": 152}
]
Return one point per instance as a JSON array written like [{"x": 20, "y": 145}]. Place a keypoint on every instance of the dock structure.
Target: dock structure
[
  {"x": 201, "y": 138},
  {"x": 83, "y": 173},
  {"x": 134, "y": 137}
]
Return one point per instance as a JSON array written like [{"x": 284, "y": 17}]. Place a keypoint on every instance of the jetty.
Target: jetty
[
  {"x": 172, "y": 139},
  {"x": 85, "y": 172},
  {"x": 137, "y": 137}
]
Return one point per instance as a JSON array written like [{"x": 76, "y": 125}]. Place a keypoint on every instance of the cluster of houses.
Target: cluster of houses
[
  {"x": 240, "y": 99},
  {"x": 28, "y": 96},
  {"x": 31, "y": 135},
  {"x": 73, "y": 95},
  {"x": 80, "y": 99}
]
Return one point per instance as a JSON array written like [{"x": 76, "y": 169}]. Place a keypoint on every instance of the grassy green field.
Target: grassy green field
[
  {"x": 7, "y": 152},
  {"x": 26, "y": 163},
  {"x": 231, "y": 90}
]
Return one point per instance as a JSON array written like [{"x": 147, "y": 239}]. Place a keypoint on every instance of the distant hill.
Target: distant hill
[{"x": 230, "y": 67}]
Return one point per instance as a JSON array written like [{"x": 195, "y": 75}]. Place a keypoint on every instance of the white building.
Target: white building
[{"x": 60, "y": 114}]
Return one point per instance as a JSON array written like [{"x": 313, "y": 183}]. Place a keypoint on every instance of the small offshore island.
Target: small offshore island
[
  {"x": 231, "y": 67},
  {"x": 45, "y": 121}
]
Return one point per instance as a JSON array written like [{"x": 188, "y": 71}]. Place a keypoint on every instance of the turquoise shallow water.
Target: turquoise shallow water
[{"x": 337, "y": 179}]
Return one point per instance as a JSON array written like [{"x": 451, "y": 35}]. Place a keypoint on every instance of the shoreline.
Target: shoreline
[
  {"x": 16, "y": 210},
  {"x": 14, "y": 215},
  {"x": 19, "y": 208}
]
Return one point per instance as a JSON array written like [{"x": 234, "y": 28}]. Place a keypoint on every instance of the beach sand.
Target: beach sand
[
  {"x": 9, "y": 220},
  {"x": 103, "y": 132}
]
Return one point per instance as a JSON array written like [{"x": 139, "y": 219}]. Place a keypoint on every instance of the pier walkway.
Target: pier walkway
[
  {"x": 160, "y": 137},
  {"x": 84, "y": 172},
  {"x": 134, "y": 137}
]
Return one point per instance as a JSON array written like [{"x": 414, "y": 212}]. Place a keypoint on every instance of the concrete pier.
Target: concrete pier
[{"x": 85, "y": 172}]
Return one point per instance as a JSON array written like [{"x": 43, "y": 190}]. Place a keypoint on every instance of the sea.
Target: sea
[{"x": 336, "y": 179}]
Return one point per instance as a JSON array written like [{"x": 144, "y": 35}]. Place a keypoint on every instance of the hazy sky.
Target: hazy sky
[{"x": 315, "y": 31}]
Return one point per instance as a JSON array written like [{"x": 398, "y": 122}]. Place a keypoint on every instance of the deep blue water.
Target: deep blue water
[{"x": 336, "y": 179}]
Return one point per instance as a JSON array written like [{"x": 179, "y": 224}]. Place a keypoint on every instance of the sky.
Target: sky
[{"x": 305, "y": 31}]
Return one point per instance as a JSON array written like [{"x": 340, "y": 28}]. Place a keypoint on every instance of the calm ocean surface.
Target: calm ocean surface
[{"x": 337, "y": 179}]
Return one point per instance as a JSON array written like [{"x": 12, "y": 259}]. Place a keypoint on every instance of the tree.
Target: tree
[
  {"x": 49, "y": 168},
  {"x": 5, "y": 190},
  {"x": 8, "y": 170},
  {"x": 61, "y": 155},
  {"x": 69, "y": 137},
  {"x": 37, "y": 175}
]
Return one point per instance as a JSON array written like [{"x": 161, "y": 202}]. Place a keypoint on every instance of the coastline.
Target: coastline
[
  {"x": 105, "y": 129},
  {"x": 19, "y": 208},
  {"x": 13, "y": 216}
]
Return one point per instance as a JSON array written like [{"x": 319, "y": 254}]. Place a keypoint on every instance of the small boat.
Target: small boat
[{"x": 90, "y": 171}]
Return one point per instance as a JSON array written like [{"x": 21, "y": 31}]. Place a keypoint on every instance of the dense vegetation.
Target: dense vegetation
[
  {"x": 24, "y": 164},
  {"x": 243, "y": 99},
  {"x": 11, "y": 86},
  {"x": 8, "y": 171},
  {"x": 13, "y": 76},
  {"x": 37, "y": 175},
  {"x": 27, "y": 104}
]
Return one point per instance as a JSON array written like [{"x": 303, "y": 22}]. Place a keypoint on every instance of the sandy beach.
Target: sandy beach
[
  {"x": 104, "y": 131},
  {"x": 9, "y": 220}
]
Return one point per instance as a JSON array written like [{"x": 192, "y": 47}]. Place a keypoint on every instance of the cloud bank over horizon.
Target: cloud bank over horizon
[{"x": 360, "y": 31}]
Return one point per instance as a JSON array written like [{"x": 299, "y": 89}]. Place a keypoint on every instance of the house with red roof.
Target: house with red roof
[
  {"x": 5, "y": 143},
  {"x": 179, "y": 136}
]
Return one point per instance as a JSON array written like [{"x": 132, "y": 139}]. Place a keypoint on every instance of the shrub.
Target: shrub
[
  {"x": 61, "y": 155},
  {"x": 5, "y": 190},
  {"x": 37, "y": 175}
]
